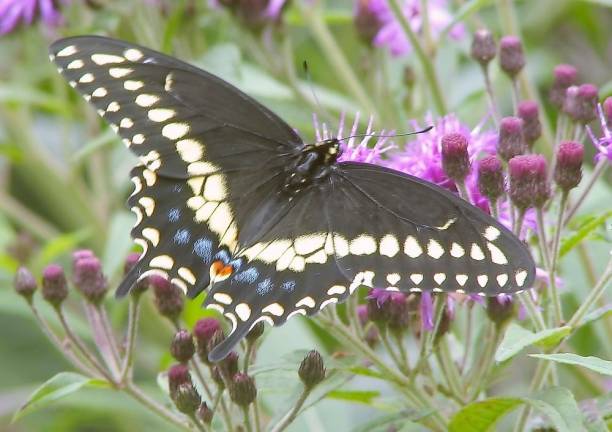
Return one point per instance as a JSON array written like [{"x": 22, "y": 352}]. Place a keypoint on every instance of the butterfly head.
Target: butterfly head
[{"x": 329, "y": 149}]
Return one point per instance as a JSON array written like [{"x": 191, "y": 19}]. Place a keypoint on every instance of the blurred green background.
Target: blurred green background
[{"x": 64, "y": 174}]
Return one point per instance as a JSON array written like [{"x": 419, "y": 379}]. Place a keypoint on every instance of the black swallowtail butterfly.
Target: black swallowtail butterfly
[{"x": 229, "y": 196}]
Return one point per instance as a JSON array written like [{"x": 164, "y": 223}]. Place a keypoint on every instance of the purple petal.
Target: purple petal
[{"x": 427, "y": 323}]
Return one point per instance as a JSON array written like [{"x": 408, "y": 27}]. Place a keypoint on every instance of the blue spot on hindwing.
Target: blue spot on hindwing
[
  {"x": 174, "y": 214},
  {"x": 264, "y": 287},
  {"x": 223, "y": 255},
  {"x": 288, "y": 286},
  {"x": 177, "y": 188},
  {"x": 249, "y": 276},
  {"x": 203, "y": 248},
  {"x": 182, "y": 236},
  {"x": 236, "y": 264}
]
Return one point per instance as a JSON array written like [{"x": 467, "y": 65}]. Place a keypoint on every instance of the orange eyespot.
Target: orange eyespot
[{"x": 221, "y": 270}]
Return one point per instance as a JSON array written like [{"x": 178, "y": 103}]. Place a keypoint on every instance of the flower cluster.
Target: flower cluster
[{"x": 14, "y": 12}]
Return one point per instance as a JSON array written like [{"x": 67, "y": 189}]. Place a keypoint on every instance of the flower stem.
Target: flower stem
[
  {"x": 490, "y": 95},
  {"x": 198, "y": 424},
  {"x": 136, "y": 393},
  {"x": 88, "y": 355},
  {"x": 384, "y": 337},
  {"x": 246, "y": 418},
  {"x": 336, "y": 57},
  {"x": 593, "y": 296},
  {"x": 426, "y": 64},
  {"x": 133, "y": 313},
  {"x": 479, "y": 380},
  {"x": 534, "y": 312},
  {"x": 103, "y": 343},
  {"x": 65, "y": 350},
  {"x": 201, "y": 379},
  {"x": 293, "y": 412},
  {"x": 449, "y": 369},
  {"x": 600, "y": 167},
  {"x": 555, "y": 258}
]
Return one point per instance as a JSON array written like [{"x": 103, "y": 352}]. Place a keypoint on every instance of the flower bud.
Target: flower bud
[
  {"x": 130, "y": 261},
  {"x": 168, "y": 298},
  {"x": 528, "y": 181},
  {"x": 607, "y": 111},
  {"x": 25, "y": 283},
  {"x": 204, "y": 331},
  {"x": 205, "y": 414},
  {"x": 448, "y": 315},
  {"x": 178, "y": 374},
  {"x": 586, "y": 108},
  {"x": 568, "y": 169},
  {"x": 89, "y": 279},
  {"x": 312, "y": 369},
  {"x": 511, "y": 57},
  {"x": 367, "y": 22},
  {"x": 528, "y": 111},
  {"x": 229, "y": 365},
  {"x": 511, "y": 140},
  {"x": 186, "y": 398},
  {"x": 242, "y": 389},
  {"x": 54, "y": 285},
  {"x": 377, "y": 306},
  {"x": 483, "y": 48},
  {"x": 215, "y": 374},
  {"x": 564, "y": 76},
  {"x": 491, "y": 178},
  {"x": 80, "y": 254},
  {"x": 455, "y": 158},
  {"x": 399, "y": 318},
  {"x": 182, "y": 347},
  {"x": 500, "y": 309},
  {"x": 256, "y": 332}
]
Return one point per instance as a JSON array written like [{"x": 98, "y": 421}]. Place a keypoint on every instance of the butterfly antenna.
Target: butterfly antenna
[
  {"x": 311, "y": 87},
  {"x": 427, "y": 129}
]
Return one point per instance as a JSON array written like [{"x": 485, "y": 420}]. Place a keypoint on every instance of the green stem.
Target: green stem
[
  {"x": 335, "y": 56},
  {"x": 554, "y": 259},
  {"x": 384, "y": 337},
  {"x": 88, "y": 355},
  {"x": 519, "y": 222},
  {"x": 246, "y": 418},
  {"x": 534, "y": 312},
  {"x": 292, "y": 413},
  {"x": 132, "y": 390},
  {"x": 128, "y": 360},
  {"x": 592, "y": 297},
  {"x": 490, "y": 95},
  {"x": 479, "y": 380},
  {"x": 66, "y": 350},
  {"x": 198, "y": 424},
  {"x": 26, "y": 219},
  {"x": 426, "y": 63},
  {"x": 449, "y": 369},
  {"x": 102, "y": 340}
]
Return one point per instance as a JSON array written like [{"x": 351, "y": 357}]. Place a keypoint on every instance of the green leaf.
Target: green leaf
[
  {"x": 360, "y": 396},
  {"x": 482, "y": 415},
  {"x": 518, "y": 338},
  {"x": 382, "y": 423},
  {"x": 99, "y": 142},
  {"x": 59, "y": 246},
  {"x": 118, "y": 242},
  {"x": 557, "y": 404},
  {"x": 607, "y": 3},
  {"x": 467, "y": 9},
  {"x": 602, "y": 312},
  {"x": 565, "y": 404},
  {"x": 593, "y": 363},
  {"x": 587, "y": 227},
  {"x": 59, "y": 386}
]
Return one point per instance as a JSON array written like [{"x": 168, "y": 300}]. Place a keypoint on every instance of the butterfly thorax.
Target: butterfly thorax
[{"x": 312, "y": 164}]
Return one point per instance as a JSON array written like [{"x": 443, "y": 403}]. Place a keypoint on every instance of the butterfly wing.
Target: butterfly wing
[
  {"x": 191, "y": 131},
  {"x": 368, "y": 225}
]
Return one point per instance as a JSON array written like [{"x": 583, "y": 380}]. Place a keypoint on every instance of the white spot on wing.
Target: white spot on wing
[
  {"x": 162, "y": 261},
  {"x": 175, "y": 131},
  {"x": 215, "y": 188},
  {"x": 412, "y": 247},
  {"x": 102, "y": 59},
  {"x": 68, "y": 51},
  {"x": 274, "y": 309},
  {"x": 497, "y": 256},
  {"x": 146, "y": 100},
  {"x": 336, "y": 289},
  {"x": 75, "y": 64},
  {"x": 491, "y": 233},
  {"x": 133, "y": 54},
  {"x": 456, "y": 250},
  {"x": 389, "y": 246},
  {"x": 520, "y": 277},
  {"x": 461, "y": 279},
  {"x": 222, "y": 298},
  {"x": 132, "y": 85},
  {"x": 86, "y": 78},
  {"x": 119, "y": 72},
  {"x": 187, "y": 274},
  {"x": 417, "y": 278},
  {"x": 482, "y": 280},
  {"x": 306, "y": 301},
  {"x": 190, "y": 150},
  {"x": 434, "y": 249},
  {"x": 307, "y": 244},
  {"x": 243, "y": 311},
  {"x": 476, "y": 252},
  {"x": 502, "y": 279},
  {"x": 439, "y": 278},
  {"x": 393, "y": 278},
  {"x": 161, "y": 114},
  {"x": 362, "y": 245},
  {"x": 152, "y": 235}
]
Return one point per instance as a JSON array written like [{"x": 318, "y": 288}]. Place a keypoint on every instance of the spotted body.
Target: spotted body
[{"x": 228, "y": 196}]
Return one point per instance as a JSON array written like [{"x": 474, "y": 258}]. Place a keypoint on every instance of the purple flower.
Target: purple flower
[
  {"x": 355, "y": 149},
  {"x": 603, "y": 143},
  {"x": 427, "y": 312},
  {"x": 12, "y": 12},
  {"x": 391, "y": 33}
]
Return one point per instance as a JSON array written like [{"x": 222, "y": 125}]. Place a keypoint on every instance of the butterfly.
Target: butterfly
[{"x": 229, "y": 197}]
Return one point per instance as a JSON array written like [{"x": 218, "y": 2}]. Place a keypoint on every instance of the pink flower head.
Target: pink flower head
[
  {"x": 391, "y": 33},
  {"x": 12, "y": 12}
]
